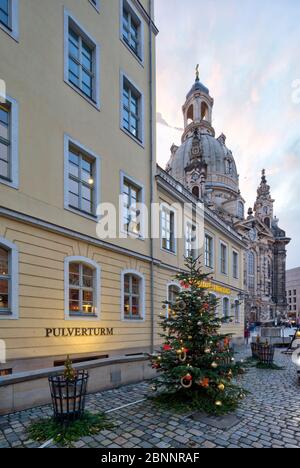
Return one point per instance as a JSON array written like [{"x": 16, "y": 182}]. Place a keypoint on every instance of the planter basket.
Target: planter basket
[
  {"x": 68, "y": 396},
  {"x": 266, "y": 354},
  {"x": 255, "y": 350}
]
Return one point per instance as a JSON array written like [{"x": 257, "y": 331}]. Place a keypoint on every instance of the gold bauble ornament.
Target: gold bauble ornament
[
  {"x": 207, "y": 351},
  {"x": 298, "y": 334},
  {"x": 221, "y": 387},
  {"x": 214, "y": 365},
  {"x": 219, "y": 403}
]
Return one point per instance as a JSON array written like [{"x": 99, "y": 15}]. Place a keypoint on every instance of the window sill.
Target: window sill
[
  {"x": 92, "y": 316},
  {"x": 139, "y": 142},
  {"x": 95, "y": 104},
  {"x": 82, "y": 214},
  {"x": 138, "y": 59},
  {"x": 10, "y": 32},
  {"x": 9, "y": 183},
  {"x": 171, "y": 252}
]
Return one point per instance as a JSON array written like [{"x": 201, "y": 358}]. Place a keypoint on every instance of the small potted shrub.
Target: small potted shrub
[{"x": 68, "y": 392}]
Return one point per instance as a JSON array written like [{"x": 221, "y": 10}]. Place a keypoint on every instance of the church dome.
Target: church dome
[
  {"x": 197, "y": 87},
  {"x": 221, "y": 167}
]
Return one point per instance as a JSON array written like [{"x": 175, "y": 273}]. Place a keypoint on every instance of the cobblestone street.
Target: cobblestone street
[{"x": 269, "y": 417}]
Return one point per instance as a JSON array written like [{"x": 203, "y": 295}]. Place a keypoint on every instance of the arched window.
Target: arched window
[
  {"x": 251, "y": 270},
  {"x": 228, "y": 166},
  {"x": 214, "y": 302},
  {"x": 133, "y": 295},
  {"x": 173, "y": 291},
  {"x": 241, "y": 210},
  {"x": 237, "y": 307},
  {"x": 204, "y": 111},
  {"x": 190, "y": 114},
  {"x": 196, "y": 191},
  {"x": 226, "y": 304},
  {"x": 82, "y": 288},
  {"x": 268, "y": 222},
  {"x": 9, "y": 280}
]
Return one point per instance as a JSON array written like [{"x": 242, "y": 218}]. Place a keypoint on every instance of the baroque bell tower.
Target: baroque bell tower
[{"x": 264, "y": 205}]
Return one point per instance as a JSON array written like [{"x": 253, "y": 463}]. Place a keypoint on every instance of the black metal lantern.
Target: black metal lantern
[{"x": 68, "y": 396}]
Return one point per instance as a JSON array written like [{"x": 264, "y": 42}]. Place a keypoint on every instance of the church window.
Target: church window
[
  {"x": 241, "y": 211},
  {"x": 196, "y": 191},
  {"x": 190, "y": 114},
  {"x": 267, "y": 222},
  {"x": 204, "y": 111},
  {"x": 228, "y": 166},
  {"x": 251, "y": 270}
]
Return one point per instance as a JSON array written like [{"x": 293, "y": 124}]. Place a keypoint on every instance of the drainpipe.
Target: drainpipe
[{"x": 152, "y": 177}]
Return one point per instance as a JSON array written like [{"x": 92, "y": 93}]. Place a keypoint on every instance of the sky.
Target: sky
[{"x": 249, "y": 57}]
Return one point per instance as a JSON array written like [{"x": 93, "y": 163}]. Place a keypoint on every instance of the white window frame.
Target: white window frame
[
  {"x": 207, "y": 234},
  {"x": 96, "y": 5},
  {"x": 14, "y": 144},
  {"x": 169, "y": 285},
  {"x": 69, "y": 17},
  {"x": 227, "y": 253},
  {"x": 235, "y": 252},
  {"x": 132, "y": 84},
  {"x": 165, "y": 206},
  {"x": 190, "y": 242},
  {"x": 14, "y": 14},
  {"x": 223, "y": 307},
  {"x": 125, "y": 177},
  {"x": 142, "y": 296},
  {"x": 217, "y": 311},
  {"x": 97, "y": 288},
  {"x": 97, "y": 161},
  {"x": 14, "y": 284},
  {"x": 237, "y": 321},
  {"x": 252, "y": 276},
  {"x": 141, "y": 31}
]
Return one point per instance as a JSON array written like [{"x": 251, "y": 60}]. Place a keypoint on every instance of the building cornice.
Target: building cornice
[
  {"x": 147, "y": 17},
  {"x": 177, "y": 190}
]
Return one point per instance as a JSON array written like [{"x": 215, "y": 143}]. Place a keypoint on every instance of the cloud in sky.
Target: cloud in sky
[{"x": 249, "y": 58}]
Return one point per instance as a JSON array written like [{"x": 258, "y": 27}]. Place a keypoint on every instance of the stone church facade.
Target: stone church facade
[{"x": 206, "y": 167}]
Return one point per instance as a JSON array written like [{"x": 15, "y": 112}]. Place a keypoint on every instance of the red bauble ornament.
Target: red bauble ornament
[
  {"x": 206, "y": 306},
  {"x": 167, "y": 348}
]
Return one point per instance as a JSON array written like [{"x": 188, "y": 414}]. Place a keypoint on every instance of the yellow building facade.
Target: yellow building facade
[{"x": 77, "y": 130}]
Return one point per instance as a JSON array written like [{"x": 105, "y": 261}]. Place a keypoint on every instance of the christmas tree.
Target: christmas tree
[{"x": 196, "y": 363}]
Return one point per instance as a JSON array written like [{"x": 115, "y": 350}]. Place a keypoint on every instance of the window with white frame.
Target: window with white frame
[
  {"x": 235, "y": 264},
  {"x": 132, "y": 197},
  {"x": 9, "y": 17},
  {"x": 9, "y": 280},
  {"x": 173, "y": 292},
  {"x": 209, "y": 251},
  {"x": 214, "y": 303},
  {"x": 167, "y": 217},
  {"x": 226, "y": 308},
  {"x": 237, "y": 306},
  {"x": 82, "y": 287},
  {"x": 190, "y": 239},
  {"x": 251, "y": 270},
  {"x": 9, "y": 143},
  {"x": 82, "y": 60},
  {"x": 82, "y": 175},
  {"x": 132, "y": 29},
  {"x": 133, "y": 301},
  {"x": 132, "y": 110},
  {"x": 224, "y": 258}
]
